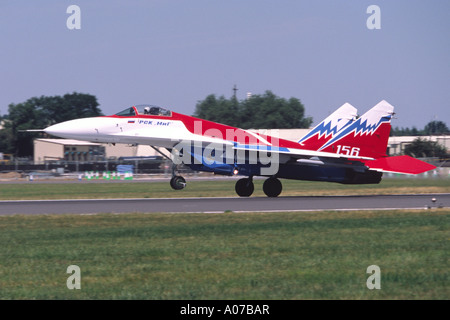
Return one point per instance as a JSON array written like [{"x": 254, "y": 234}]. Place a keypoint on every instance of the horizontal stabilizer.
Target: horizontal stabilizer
[{"x": 399, "y": 164}]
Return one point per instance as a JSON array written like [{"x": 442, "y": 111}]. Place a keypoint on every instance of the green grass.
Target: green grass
[
  {"x": 226, "y": 256},
  {"x": 210, "y": 188}
]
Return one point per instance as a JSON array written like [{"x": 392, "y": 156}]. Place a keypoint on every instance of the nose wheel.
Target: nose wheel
[{"x": 177, "y": 183}]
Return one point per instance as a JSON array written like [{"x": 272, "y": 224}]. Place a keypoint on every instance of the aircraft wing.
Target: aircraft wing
[
  {"x": 399, "y": 164},
  {"x": 297, "y": 153}
]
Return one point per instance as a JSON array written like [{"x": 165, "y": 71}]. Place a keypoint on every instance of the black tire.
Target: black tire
[
  {"x": 177, "y": 182},
  {"x": 272, "y": 187},
  {"x": 244, "y": 187}
]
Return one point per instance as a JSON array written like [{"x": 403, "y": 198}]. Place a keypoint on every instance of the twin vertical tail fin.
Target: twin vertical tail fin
[
  {"x": 366, "y": 137},
  {"x": 328, "y": 128}
]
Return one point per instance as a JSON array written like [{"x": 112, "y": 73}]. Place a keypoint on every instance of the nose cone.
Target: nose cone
[{"x": 80, "y": 129}]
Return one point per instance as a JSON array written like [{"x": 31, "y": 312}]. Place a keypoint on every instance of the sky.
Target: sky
[{"x": 174, "y": 53}]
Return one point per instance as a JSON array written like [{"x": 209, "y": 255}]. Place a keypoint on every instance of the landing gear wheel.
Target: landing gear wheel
[
  {"x": 244, "y": 187},
  {"x": 272, "y": 187},
  {"x": 177, "y": 182}
]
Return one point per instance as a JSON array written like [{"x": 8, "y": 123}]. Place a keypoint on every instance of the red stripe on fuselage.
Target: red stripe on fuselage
[{"x": 217, "y": 130}]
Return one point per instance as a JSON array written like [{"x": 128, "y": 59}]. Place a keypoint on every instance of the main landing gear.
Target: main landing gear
[
  {"x": 244, "y": 187},
  {"x": 272, "y": 187}
]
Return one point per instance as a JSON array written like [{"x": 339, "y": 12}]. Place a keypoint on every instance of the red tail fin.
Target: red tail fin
[{"x": 367, "y": 136}]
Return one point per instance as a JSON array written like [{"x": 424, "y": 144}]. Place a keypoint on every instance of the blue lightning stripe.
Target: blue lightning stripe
[
  {"x": 360, "y": 126},
  {"x": 324, "y": 129},
  {"x": 260, "y": 148}
]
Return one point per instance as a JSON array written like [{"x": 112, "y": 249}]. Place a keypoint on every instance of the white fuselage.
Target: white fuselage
[{"x": 155, "y": 132}]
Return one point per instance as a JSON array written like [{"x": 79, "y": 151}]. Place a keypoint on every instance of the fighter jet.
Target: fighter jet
[{"x": 343, "y": 148}]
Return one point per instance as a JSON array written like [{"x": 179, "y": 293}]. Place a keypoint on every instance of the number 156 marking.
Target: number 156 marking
[{"x": 348, "y": 151}]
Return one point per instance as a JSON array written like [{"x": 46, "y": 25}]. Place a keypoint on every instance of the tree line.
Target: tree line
[
  {"x": 259, "y": 111},
  {"x": 422, "y": 148},
  {"x": 39, "y": 113},
  {"x": 432, "y": 128}
]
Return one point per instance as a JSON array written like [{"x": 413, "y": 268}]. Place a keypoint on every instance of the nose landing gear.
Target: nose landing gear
[{"x": 177, "y": 182}]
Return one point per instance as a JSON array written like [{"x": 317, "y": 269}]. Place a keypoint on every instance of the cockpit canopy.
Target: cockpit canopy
[{"x": 144, "y": 109}]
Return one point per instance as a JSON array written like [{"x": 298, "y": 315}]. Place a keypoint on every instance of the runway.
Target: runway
[{"x": 220, "y": 205}]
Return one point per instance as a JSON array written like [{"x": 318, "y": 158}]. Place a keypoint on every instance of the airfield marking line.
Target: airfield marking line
[
  {"x": 311, "y": 210},
  {"x": 116, "y": 199},
  {"x": 231, "y": 197},
  {"x": 353, "y": 209},
  {"x": 255, "y": 211}
]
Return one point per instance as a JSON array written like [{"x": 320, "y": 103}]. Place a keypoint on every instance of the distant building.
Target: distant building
[
  {"x": 67, "y": 149},
  {"x": 397, "y": 145},
  {"x": 82, "y": 151}
]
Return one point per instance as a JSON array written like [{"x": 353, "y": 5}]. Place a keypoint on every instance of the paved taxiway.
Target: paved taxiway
[{"x": 258, "y": 204}]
